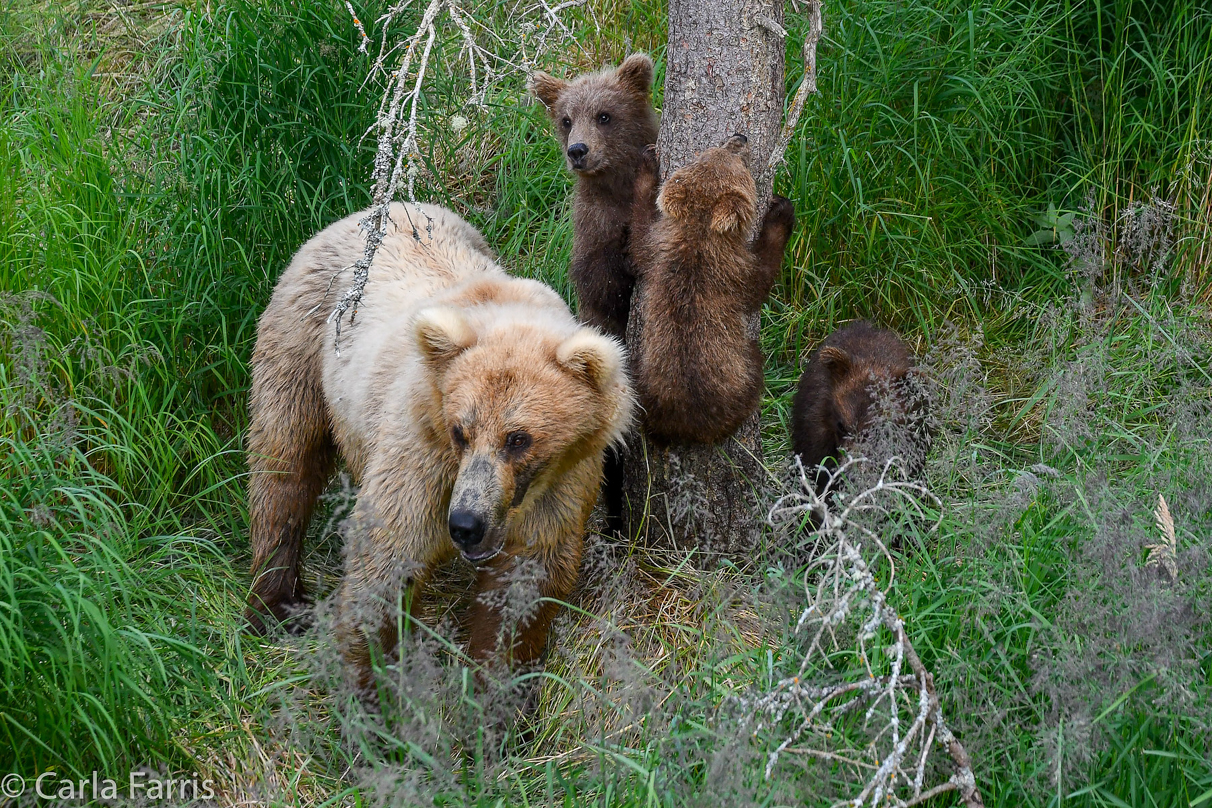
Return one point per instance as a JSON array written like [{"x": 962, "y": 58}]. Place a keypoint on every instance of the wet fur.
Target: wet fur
[
  {"x": 443, "y": 337},
  {"x": 698, "y": 370}
]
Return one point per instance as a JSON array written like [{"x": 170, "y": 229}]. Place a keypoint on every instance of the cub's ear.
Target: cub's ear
[
  {"x": 636, "y": 73},
  {"x": 592, "y": 357},
  {"x": 675, "y": 198},
  {"x": 731, "y": 211},
  {"x": 547, "y": 89},
  {"x": 836, "y": 361},
  {"x": 442, "y": 334}
]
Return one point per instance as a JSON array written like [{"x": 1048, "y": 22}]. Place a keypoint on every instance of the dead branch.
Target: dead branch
[
  {"x": 841, "y": 589},
  {"x": 807, "y": 86},
  {"x": 397, "y": 158}
]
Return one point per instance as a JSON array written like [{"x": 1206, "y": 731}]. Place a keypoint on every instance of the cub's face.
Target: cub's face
[
  {"x": 517, "y": 409},
  {"x": 603, "y": 119},
  {"x": 851, "y": 408},
  {"x": 856, "y": 387},
  {"x": 715, "y": 188}
]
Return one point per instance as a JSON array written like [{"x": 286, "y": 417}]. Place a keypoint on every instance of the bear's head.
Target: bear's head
[
  {"x": 715, "y": 189},
  {"x": 519, "y": 404},
  {"x": 851, "y": 400},
  {"x": 601, "y": 119},
  {"x": 872, "y": 398}
]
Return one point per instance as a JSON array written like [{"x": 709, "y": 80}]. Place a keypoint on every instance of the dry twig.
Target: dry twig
[
  {"x": 397, "y": 159},
  {"x": 807, "y": 86},
  {"x": 842, "y": 589}
]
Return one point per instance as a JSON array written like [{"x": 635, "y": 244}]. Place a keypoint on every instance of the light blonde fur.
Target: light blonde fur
[{"x": 444, "y": 338}]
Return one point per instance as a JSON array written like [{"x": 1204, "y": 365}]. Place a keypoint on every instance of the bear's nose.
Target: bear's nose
[
  {"x": 577, "y": 152},
  {"x": 466, "y": 528}
]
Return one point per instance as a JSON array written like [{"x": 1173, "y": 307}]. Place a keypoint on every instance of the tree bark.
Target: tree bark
[{"x": 723, "y": 75}]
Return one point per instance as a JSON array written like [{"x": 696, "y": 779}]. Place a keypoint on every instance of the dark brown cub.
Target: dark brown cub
[
  {"x": 602, "y": 121},
  {"x": 856, "y": 380},
  {"x": 698, "y": 370}
]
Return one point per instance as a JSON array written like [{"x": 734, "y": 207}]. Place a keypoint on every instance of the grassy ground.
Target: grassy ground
[{"x": 1023, "y": 188}]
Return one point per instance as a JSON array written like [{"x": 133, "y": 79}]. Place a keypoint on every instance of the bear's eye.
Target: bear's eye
[
  {"x": 456, "y": 435},
  {"x": 518, "y": 441},
  {"x": 841, "y": 427},
  {"x": 604, "y": 118},
  {"x": 566, "y": 123}
]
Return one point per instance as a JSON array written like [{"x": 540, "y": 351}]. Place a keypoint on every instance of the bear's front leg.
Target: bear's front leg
[
  {"x": 644, "y": 211},
  {"x": 393, "y": 547},
  {"x": 768, "y": 249},
  {"x": 386, "y": 566},
  {"x": 367, "y": 614},
  {"x": 513, "y": 606}
]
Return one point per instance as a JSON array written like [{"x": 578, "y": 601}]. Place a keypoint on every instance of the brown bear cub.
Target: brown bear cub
[
  {"x": 698, "y": 369},
  {"x": 602, "y": 120},
  {"x": 856, "y": 380}
]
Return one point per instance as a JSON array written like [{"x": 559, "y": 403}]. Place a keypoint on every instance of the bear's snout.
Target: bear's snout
[
  {"x": 466, "y": 529},
  {"x": 576, "y": 155},
  {"x": 476, "y": 510}
]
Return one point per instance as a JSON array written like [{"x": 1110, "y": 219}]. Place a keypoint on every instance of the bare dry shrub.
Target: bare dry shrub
[
  {"x": 403, "y": 65},
  {"x": 851, "y": 690}
]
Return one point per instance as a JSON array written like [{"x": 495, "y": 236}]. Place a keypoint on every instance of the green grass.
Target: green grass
[{"x": 158, "y": 167}]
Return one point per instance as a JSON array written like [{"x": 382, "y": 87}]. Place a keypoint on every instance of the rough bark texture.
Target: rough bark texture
[{"x": 724, "y": 74}]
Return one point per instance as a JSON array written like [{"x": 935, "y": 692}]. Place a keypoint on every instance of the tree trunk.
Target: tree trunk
[{"x": 723, "y": 75}]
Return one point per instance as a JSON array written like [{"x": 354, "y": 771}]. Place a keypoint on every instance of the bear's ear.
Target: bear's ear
[
  {"x": 592, "y": 357},
  {"x": 442, "y": 334},
  {"x": 636, "y": 74},
  {"x": 729, "y": 212},
  {"x": 547, "y": 89},
  {"x": 674, "y": 199},
  {"x": 836, "y": 361}
]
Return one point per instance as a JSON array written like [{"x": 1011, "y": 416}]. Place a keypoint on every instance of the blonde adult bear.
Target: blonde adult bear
[{"x": 469, "y": 405}]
